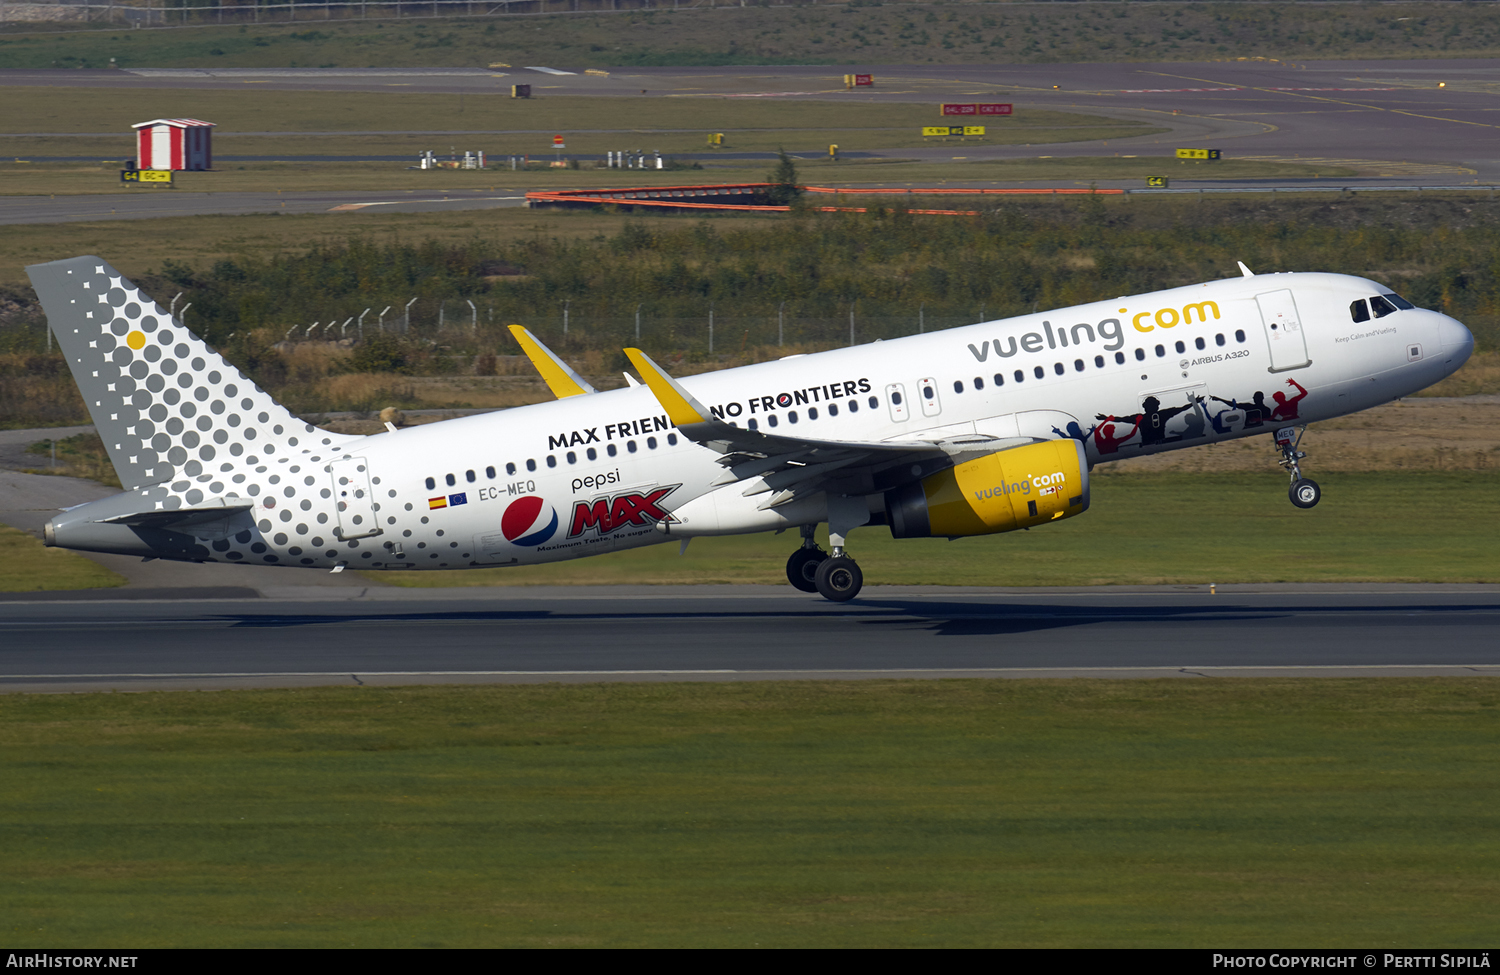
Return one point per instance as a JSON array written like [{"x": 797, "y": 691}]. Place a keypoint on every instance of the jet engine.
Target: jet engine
[{"x": 1000, "y": 492}]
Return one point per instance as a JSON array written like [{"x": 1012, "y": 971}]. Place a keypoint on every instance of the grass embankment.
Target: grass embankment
[
  {"x": 1236, "y": 813},
  {"x": 1142, "y": 529},
  {"x": 953, "y": 33},
  {"x": 27, "y": 566}
]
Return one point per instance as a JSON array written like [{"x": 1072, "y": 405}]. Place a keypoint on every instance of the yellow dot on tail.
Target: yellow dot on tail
[{"x": 135, "y": 339}]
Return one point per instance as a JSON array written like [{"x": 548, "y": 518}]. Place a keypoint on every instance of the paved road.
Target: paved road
[{"x": 298, "y": 638}]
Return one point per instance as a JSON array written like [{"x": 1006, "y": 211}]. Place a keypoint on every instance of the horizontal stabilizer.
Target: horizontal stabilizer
[{"x": 205, "y": 520}]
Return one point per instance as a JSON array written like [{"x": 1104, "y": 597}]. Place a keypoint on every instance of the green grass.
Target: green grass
[
  {"x": 1235, "y": 813},
  {"x": 831, "y": 34},
  {"x": 1141, "y": 529},
  {"x": 28, "y": 566}
]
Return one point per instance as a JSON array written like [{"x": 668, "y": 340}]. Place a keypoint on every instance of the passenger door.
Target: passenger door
[
  {"x": 352, "y": 497},
  {"x": 1278, "y": 312}
]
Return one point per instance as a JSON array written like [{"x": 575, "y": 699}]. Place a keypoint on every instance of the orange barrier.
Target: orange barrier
[{"x": 737, "y": 197}]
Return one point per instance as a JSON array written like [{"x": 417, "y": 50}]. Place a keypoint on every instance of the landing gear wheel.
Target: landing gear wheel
[
  {"x": 802, "y": 568},
  {"x": 1305, "y": 492},
  {"x": 839, "y": 579}
]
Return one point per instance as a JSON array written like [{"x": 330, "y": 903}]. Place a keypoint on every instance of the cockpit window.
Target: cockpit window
[
  {"x": 1398, "y": 301},
  {"x": 1381, "y": 307},
  {"x": 1359, "y": 311}
]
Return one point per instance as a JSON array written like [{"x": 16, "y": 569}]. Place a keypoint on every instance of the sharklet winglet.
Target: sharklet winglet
[
  {"x": 681, "y": 407},
  {"x": 557, "y": 374}
]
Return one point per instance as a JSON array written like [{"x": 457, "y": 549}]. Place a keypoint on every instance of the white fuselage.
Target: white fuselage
[{"x": 1166, "y": 370}]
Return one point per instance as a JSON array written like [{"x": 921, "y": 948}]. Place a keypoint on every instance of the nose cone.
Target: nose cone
[{"x": 1458, "y": 341}]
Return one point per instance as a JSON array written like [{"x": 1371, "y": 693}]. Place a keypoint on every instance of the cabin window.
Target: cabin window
[
  {"x": 1239, "y": 335},
  {"x": 451, "y": 480},
  {"x": 591, "y": 454},
  {"x": 958, "y": 385},
  {"x": 510, "y": 468},
  {"x": 551, "y": 460},
  {"x": 1020, "y": 376},
  {"x": 1161, "y": 350},
  {"x": 1219, "y": 339},
  {"x": 999, "y": 379},
  {"x": 854, "y": 406},
  {"x": 469, "y": 476},
  {"x": 431, "y": 484},
  {"x": 1098, "y": 362},
  {"x": 753, "y": 425},
  {"x": 771, "y": 420},
  {"x": 489, "y": 472},
  {"x": 978, "y": 382},
  {"x": 833, "y": 409},
  {"x": 1140, "y": 355},
  {"x": 1381, "y": 307},
  {"x": 1039, "y": 371},
  {"x": 928, "y": 392},
  {"x": 1119, "y": 358},
  {"x": 672, "y": 437},
  {"x": 895, "y": 398},
  {"x": 530, "y": 464},
  {"x": 572, "y": 457},
  {"x": 1181, "y": 347},
  {"x": 1078, "y": 365},
  {"x": 611, "y": 449},
  {"x": 1199, "y": 344},
  {"x": 651, "y": 442},
  {"x": 1057, "y": 367},
  {"x": 791, "y": 417},
  {"x": 874, "y": 403},
  {"x": 630, "y": 446}
]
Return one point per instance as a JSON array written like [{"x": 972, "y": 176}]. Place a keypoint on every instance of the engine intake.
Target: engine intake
[{"x": 999, "y": 492}]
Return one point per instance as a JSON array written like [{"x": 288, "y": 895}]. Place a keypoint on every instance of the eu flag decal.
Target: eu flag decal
[{"x": 456, "y": 499}]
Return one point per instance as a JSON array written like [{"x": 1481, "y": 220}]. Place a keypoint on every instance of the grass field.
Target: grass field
[
  {"x": 26, "y": 566},
  {"x": 1182, "y": 813},
  {"x": 861, "y": 36},
  {"x": 70, "y": 179}
]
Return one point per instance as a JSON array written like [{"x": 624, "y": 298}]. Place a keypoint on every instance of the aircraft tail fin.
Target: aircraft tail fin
[{"x": 165, "y": 404}]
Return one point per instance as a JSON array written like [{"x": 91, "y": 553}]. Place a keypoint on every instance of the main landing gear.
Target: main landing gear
[
  {"x": 1304, "y": 491},
  {"x": 810, "y": 569}
]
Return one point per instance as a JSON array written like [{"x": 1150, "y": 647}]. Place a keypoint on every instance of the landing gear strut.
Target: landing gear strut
[
  {"x": 1304, "y": 491},
  {"x": 835, "y": 576},
  {"x": 802, "y": 567}
]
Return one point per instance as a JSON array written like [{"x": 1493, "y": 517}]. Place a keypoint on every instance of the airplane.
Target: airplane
[{"x": 975, "y": 430}]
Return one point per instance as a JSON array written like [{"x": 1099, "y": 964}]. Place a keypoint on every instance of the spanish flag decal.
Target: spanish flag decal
[{"x": 433, "y": 503}]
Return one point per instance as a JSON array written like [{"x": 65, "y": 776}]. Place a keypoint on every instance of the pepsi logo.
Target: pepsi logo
[{"x": 528, "y": 521}]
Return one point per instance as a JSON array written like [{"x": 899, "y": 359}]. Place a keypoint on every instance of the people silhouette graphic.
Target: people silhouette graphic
[
  {"x": 1286, "y": 409},
  {"x": 1256, "y": 411},
  {"x": 1104, "y": 433},
  {"x": 1074, "y": 431}
]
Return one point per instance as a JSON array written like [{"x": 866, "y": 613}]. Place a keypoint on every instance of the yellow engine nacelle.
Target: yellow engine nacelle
[{"x": 999, "y": 492}]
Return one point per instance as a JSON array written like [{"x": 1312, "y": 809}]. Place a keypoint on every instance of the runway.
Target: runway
[{"x": 356, "y": 636}]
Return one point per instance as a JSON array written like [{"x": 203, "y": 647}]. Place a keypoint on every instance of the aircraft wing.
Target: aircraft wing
[
  {"x": 557, "y": 374},
  {"x": 787, "y": 468}
]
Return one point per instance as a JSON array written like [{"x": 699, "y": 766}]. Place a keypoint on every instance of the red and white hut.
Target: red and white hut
[{"x": 173, "y": 143}]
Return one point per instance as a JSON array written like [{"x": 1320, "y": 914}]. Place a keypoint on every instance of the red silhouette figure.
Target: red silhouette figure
[
  {"x": 1286, "y": 409},
  {"x": 1104, "y": 437}
]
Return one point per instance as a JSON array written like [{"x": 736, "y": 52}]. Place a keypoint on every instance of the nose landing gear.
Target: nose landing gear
[{"x": 1304, "y": 491}]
